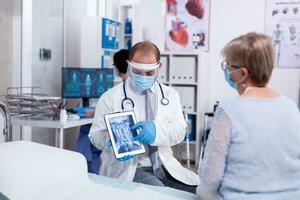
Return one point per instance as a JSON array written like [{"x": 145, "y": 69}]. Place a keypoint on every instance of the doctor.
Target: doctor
[{"x": 160, "y": 119}]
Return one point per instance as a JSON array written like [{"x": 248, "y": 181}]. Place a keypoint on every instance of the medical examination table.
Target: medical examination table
[{"x": 34, "y": 171}]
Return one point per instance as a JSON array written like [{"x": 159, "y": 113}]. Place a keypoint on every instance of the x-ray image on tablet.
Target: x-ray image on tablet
[{"x": 118, "y": 125}]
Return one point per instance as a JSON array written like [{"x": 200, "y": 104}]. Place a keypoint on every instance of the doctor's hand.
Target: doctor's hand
[
  {"x": 108, "y": 144},
  {"x": 125, "y": 158},
  {"x": 148, "y": 132}
]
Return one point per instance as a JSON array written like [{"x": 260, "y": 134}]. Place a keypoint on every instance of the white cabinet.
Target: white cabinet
[
  {"x": 183, "y": 69},
  {"x": 188, "y": 74},
  {"x": 129, "y": 13},
  {"x": 163, "y": 75}
]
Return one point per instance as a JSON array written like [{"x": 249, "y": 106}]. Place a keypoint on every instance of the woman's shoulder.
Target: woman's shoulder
[
  {"x": 229, "y": 102},
  {"x": 237, "y": 103},
  {"x": 289, "y": 103}
]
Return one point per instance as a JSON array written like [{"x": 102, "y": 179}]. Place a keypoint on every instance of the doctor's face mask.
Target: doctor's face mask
[{"x": 143, "y": 76}]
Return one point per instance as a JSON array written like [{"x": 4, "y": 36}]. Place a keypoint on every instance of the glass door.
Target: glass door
[
  {"x": 10, "y": 50},
  {"x": 10, "y": 45},
  {"x": 47, "y": 55}
]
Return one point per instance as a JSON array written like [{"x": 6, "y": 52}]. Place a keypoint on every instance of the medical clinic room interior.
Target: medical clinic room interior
[{"x": 150, "y": 99}]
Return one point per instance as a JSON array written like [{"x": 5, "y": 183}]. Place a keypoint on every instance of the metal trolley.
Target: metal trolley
[{"x": 31, "y": 102}]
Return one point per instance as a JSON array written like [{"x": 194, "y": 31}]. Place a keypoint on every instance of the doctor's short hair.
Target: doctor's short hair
[
  {"x": 255, "y": 52},
  {"x": 147, "y": 48}
]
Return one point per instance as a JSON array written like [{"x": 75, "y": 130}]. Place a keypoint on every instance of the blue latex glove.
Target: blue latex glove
[
  {"x": 108, "y": 144},
  {"x": 127, "y": 157},
  {"x": 148, "y": 132},
  {"x": 81, "y": 110}
]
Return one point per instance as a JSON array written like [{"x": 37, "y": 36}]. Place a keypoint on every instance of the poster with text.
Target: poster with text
[
  {"x": 282, "y": 23},
  {"x": 187, "y": 25}
]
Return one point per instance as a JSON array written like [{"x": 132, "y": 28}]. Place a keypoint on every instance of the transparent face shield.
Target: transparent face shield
[{"x": 148, "y": 70}]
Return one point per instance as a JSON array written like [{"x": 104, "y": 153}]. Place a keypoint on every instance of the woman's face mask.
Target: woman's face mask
[
  {"x": 232, "y": 83},
  {"x": 228, "y": 79},
  {"x": 235, "y": 68}
]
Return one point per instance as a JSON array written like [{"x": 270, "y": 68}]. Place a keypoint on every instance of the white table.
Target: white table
[{"x": 56, "y": 124}]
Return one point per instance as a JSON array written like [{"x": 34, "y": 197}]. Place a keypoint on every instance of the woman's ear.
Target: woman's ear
[{"x": 244, "y": 73}]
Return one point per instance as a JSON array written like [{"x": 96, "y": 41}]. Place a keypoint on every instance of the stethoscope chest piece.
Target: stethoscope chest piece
[
  {"x": 127, "y": 104},
  {"x": 164, "y": 101}
]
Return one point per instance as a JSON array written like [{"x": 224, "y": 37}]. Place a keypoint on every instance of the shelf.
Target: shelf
[
  {"x": 112, "y": 50},
  {"x": 166, "y": 83},
  {"x": 192, "y": 162},
  {"x": 125, "y": 4},
  {"x": 187, "y": 84},
  {"x": 182, "y": 72},
  {"x": 173, "y": 53},
  {"x": 191, "y": 142},
  {"x": 191, "y": 113}
]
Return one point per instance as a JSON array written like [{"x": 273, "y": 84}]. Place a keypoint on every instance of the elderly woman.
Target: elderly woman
[{"x": 253, "y": 151}]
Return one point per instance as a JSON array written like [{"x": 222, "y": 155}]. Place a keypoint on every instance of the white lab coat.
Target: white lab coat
[{"x": 170, "y": 130}]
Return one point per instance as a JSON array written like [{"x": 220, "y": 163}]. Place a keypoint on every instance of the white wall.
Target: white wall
[
  {"x": 10, "y": 33},
  {"x": 5, "y": 45},
  {"x": 47, "y": 32},
  {"x": 112, "y": 9},
  {"x": 10, "y": 51},
  {"x": 229, "y": 19},
  {"x": 287, "y": 81},
  {"x": 152, "y": 21},
  {"x": 10, "y": 59},
  {"x": 75, "y": 10}
]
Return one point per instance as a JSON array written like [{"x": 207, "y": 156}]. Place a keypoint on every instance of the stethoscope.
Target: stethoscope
[{"x": 128, "y": 101}]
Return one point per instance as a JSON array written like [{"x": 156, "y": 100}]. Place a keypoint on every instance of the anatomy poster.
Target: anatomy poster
[
  {"x": 187, "y": 25},
  {"x": 282, "y": 22}
]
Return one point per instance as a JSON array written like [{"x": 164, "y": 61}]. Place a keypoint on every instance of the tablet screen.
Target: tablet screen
[{"x": 118, "y": 125}]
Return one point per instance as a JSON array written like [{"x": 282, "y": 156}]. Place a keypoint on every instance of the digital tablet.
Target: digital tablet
[{"x": 118, "y": 126}]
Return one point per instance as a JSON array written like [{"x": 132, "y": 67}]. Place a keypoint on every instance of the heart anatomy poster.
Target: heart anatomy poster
[
  {"x": 282, "y": 23},
  {"x": 187, "y": 25}
]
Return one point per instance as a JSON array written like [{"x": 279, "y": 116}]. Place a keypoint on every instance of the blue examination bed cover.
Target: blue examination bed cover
[{"x": 127, "y": 185}]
